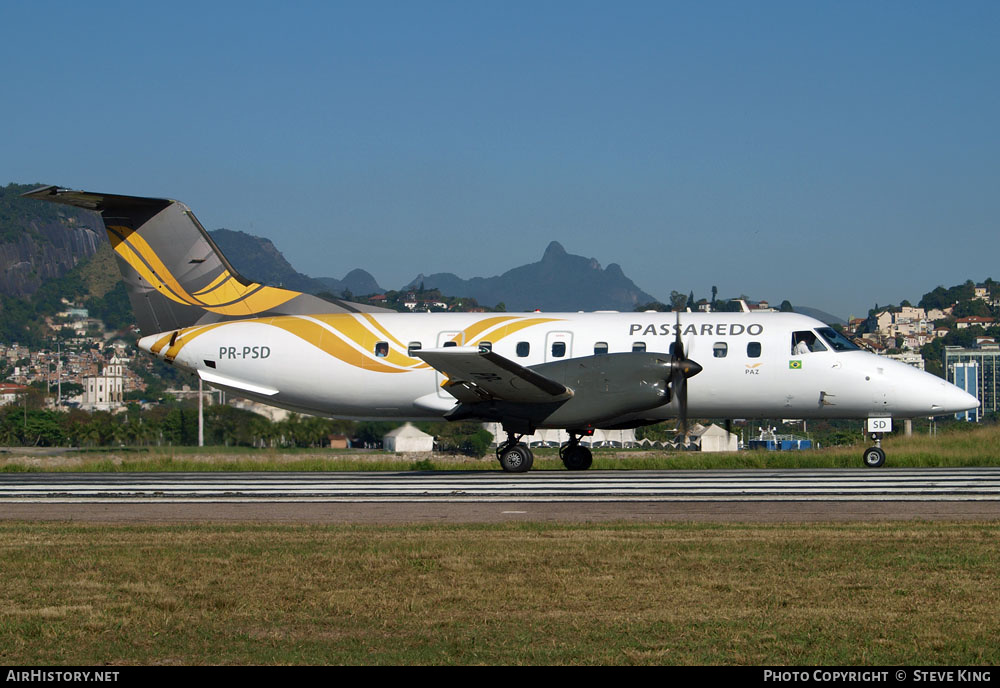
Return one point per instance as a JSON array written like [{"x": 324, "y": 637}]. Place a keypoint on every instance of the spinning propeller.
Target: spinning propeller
[{"x": 681, "y": 368}]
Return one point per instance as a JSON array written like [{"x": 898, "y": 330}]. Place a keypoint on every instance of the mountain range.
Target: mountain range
[
  {"x": 258, "y": 259},
  {"x": 39, "y": 242},
  {"x": 560, "y": 281}
]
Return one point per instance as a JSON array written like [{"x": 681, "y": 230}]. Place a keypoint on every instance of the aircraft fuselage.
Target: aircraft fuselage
[{"x": 363, "y": 365}]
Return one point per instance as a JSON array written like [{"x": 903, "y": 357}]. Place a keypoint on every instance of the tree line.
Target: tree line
[{"x": 27, "y": 424}]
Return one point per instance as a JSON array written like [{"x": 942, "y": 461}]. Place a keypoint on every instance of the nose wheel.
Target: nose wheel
[{"x": 874, "y": 457}]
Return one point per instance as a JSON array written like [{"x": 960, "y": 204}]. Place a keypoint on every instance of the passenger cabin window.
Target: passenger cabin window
[
  {"x": 486, "y": 346},
  {"x": 753, "y": 350},
  {"x": 558, "y": 349},
  {"x": 600, "y": 348},
  {"x": 523, "y": 349},
  {"x": 450, "y": 344},
  {"x": 639, "y": 346},
  {"x": 413, "y": 347},
  {"x": 720, "y": 349},
  {"x": 805, "y": 342},
  {"x": 381, "y": 349}
]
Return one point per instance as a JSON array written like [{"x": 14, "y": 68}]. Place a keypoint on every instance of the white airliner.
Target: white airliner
[{"x": 526, "y": 371}]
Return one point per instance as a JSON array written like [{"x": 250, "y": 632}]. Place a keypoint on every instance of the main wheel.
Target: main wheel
[
  {"x": 577, "y": 458},
  {"x": 873, "y": 457},
  {"x": 516, "y": 459}
]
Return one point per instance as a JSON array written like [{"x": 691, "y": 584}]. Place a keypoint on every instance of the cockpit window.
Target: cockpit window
[
  {"x": 805, "y": 342},
  {"x": 837, "y": 341}
]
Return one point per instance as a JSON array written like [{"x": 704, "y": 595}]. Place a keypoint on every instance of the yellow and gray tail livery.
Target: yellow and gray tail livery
[{"x": 174, "y": 273}]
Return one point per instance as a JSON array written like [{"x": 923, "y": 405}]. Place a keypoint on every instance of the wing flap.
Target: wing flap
[{"x": 475, "y": 375}]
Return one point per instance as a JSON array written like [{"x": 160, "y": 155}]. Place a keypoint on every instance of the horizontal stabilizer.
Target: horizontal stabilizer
[
  {"x": 477, "y": 375},
  {"x": 98, "y": 202},
  {"x": 174, "y": 274}
]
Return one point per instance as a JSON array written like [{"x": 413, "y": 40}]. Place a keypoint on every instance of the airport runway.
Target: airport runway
[
  {"x": 561, "y": 486},
  {"x": 832, "y": 494}
]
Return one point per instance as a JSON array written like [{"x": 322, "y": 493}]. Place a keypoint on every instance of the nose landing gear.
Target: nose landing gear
[{"x": 874, "y": 457}]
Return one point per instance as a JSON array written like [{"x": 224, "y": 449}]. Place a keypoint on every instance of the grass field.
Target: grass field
[
  {"x": 979, "y": 446},
  {"x": 515, "y": 593},
  {"x": 911, "y": 593}
]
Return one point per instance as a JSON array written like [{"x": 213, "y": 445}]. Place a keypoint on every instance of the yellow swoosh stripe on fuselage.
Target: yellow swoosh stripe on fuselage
[
  {"x": 511, "y": 328},
  {"x": 323, "y": 339},
  {"x": 365, "y": 339},
  {"x": 335, "y": 333},
  {"x": 469, "y": 334},
  {"x": 186, "y": 336},
  {"x": 378, "y": 326}
]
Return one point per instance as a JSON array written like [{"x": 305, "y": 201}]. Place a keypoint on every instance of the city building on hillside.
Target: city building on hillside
[
  {"x": 969, "y": 321},
  {"x": 910, "y": 313},
  {"x": 762, "y": 307},
  {"x": 883, "y": 322},
  {"x": 102, "y": 393},
  {"x": 105, "y": 392},
  {"x": 853, "y": 324},
  {"x": 10, "y": 393},
  {"x": 910, "y": 358},
  {"x": 908, "y": 322},
  {"x": 73, "y": 313}
]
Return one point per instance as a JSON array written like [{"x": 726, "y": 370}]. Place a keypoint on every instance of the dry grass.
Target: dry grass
[
  {"x": 912, "y": 593},
  {"x": 979, "y": 446}
]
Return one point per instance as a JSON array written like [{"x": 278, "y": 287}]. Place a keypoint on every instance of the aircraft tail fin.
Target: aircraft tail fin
[{"x": 174, "y": 273}]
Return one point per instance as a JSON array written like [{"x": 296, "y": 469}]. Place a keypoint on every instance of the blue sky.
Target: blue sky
[{"x": 836, "y": 154}]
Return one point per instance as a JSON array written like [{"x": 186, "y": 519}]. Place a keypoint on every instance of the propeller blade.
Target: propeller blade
[
  {"x": 678, "y": 344},
  {"x": 682, "y": 402},
  {"x": 681, "y": 368}
]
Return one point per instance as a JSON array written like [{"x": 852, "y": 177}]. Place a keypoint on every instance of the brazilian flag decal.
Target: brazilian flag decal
[{"x": 795, "y": 365}]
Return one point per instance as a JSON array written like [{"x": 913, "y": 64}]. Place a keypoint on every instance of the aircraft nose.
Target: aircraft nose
[
  {"x": 953, "y": 400},
  {"x": 918, "y": 393}
]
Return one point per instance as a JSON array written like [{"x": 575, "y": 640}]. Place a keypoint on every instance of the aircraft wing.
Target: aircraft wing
[{"x": 476, "y": 375}]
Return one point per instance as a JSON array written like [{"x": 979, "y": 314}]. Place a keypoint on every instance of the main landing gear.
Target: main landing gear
[
  {"x": 514, "y": 455},
  {"x": 574, "y": 456},
  {"x": 874, "y": 457}
]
